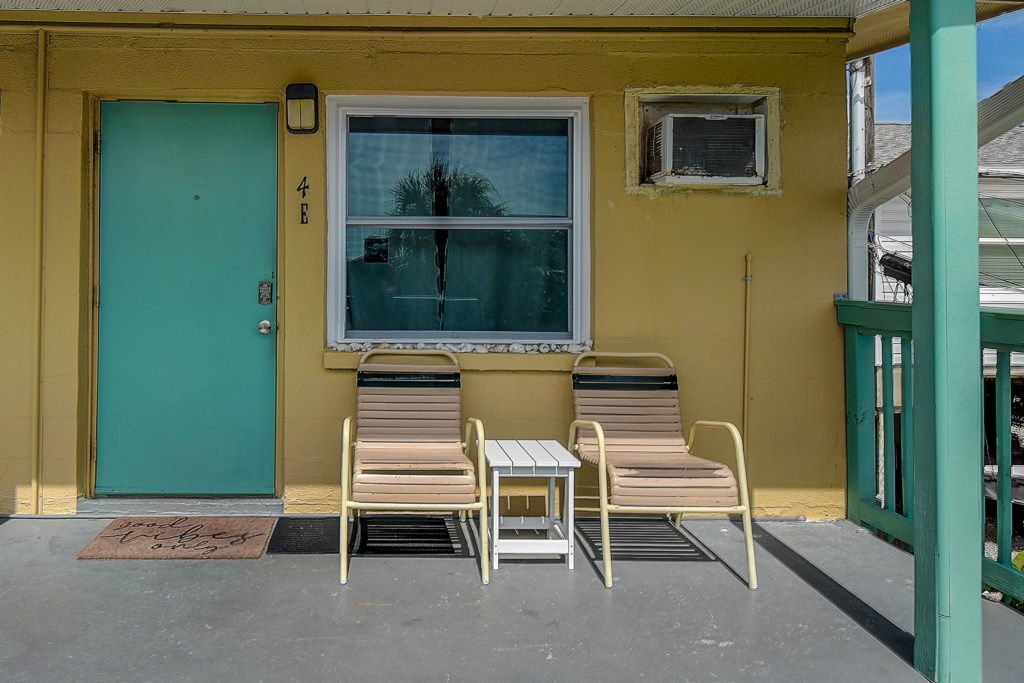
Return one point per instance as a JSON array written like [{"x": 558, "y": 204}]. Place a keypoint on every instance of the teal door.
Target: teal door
[{"x": 188, "y": 267}]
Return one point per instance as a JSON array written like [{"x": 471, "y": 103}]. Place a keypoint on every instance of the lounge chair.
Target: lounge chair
[
  {"x": 408, "y": 453},
  {"x": 628, "y": 426}
]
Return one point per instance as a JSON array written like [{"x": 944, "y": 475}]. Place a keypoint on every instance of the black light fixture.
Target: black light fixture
[{"x": 303, "y": 112}]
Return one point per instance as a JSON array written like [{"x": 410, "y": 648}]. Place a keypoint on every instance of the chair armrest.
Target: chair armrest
[
  {"x": 574, "y": 430},
  {"x": 475, "y": 426},
  {"x": 347, "y": 437},
  {"x": 409, "y": 352},
  {"x": 607, "y": 354},
  {"x": 737, "y": 440},
  {"x": 737, "y": 443}
]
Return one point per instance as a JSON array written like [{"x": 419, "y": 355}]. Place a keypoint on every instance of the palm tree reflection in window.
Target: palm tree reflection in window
[{"x": 441, "y": 190}]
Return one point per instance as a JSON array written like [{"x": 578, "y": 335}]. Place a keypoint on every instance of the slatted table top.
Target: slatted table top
[{"x": 525, "y": 457}]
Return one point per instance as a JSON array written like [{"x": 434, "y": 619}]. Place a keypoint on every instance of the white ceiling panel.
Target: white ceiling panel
[{"x": 474, "y": 8}]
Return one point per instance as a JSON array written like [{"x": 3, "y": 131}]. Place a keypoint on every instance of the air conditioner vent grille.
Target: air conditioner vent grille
[
  {"x": 714, "y": 147},
  {"x": 654, "y": 147}
]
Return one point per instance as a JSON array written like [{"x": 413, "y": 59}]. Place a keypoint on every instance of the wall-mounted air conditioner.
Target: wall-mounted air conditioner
[{"x": 719, "y": 149}]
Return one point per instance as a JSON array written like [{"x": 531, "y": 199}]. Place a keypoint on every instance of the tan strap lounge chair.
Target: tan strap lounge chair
[
  {"x": 409, "y": 453},
  {"x": 628, "y": 426}
]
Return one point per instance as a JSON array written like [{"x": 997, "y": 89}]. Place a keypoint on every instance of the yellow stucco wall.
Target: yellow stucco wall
[{"x": 666, "y": 270}]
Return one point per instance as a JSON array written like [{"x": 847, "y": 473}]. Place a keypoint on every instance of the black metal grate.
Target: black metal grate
[
  {"x": 383, "y": 535},
  {"x": 305, "y": 535},
  {"x": 646, "y": 539},
  {"x": 722, "y": 147}
]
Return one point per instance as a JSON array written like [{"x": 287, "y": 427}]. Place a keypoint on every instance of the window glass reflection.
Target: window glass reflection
[
  {"x": 458, "y": 280},
  {"x": 467, "y": 167}
]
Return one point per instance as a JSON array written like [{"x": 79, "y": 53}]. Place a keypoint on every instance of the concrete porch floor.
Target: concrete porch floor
[{"x": 835, "y": 604}]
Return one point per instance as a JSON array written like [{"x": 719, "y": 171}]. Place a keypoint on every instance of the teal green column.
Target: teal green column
[{"x": 947, "y": 376}]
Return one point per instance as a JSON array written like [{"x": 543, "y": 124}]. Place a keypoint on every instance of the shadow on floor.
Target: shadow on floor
[{"x": 889, "y": 634}]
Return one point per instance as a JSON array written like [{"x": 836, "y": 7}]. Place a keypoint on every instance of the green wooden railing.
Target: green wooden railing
[{"x": 871, "y": 410}]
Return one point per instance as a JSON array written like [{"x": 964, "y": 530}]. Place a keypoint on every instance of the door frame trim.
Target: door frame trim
[{"x": 86, "y": 461}]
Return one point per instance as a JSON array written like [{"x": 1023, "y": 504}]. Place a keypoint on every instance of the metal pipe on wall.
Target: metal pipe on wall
[
  {"x": 857, "y": 234},
  {"x": 37, "y": 351},
  {"x": 748, "y": 278}
]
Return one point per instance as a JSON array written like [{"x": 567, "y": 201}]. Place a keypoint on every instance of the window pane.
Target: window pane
[
  {"x": 999, "y": 265},
  {"x": 458, "y": 280},
  {"x": 1001, "y": 217},
  {"x": 404, "y": 166}
]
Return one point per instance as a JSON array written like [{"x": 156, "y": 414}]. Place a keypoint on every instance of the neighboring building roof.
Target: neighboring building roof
[
  {"x": 891, "y": 140},
  {"x": 1005, "y": 152},
  {"x": 476, "y": 8}
]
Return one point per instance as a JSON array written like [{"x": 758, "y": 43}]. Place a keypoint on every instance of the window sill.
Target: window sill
[
  {"x": 655, "y": 189},
  {"x": 476, "y": 362}
]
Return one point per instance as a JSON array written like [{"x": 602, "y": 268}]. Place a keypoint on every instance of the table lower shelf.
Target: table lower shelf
[{"x": 557, "y": 542}]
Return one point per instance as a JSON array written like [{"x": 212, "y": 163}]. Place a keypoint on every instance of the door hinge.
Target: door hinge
[
  {"x": 96, "y": 296},
  {"x": 92, "y": 454},
  {"x": 97, "y": 144}
]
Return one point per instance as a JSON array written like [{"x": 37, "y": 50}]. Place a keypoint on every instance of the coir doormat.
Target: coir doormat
[{"x": 181, "y": 538}]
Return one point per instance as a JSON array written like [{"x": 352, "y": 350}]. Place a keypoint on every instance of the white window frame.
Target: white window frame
[{"x": 576, "y": 109}]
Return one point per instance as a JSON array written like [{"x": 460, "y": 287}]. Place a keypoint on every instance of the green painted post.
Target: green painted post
[
  {"x": 860, "y": 421},
  {"x": 947, "y": 421}
]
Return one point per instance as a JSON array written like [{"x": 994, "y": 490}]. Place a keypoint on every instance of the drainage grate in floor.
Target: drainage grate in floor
[
  {"x": 382, "y": 535},
  {"x": 305, "y": 535},
  {"x": 648, "y": 539}
]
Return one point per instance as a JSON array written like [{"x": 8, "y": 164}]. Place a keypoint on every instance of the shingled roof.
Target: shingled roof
[{"x": 1005, "y": 152}]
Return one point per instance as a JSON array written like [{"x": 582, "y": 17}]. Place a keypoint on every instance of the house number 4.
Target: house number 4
[{"x": 304, "y": 206}]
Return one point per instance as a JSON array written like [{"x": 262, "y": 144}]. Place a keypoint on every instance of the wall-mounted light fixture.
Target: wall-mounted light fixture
[{"x": 303, "y": 112}]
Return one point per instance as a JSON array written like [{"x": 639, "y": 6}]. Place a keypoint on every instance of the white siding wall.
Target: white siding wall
[{"x": 893, "y": 234}]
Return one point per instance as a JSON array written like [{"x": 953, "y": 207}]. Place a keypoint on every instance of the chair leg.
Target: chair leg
[
  {"x": 485, "y": 552},
  {"x": 748, "y": 534},
  {"x": 606, "y": 545},
  {"x": 343, "y": 542},
  {"x": 679, "y": 519}
]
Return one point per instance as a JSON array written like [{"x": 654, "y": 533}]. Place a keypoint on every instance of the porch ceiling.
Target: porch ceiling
[
  {"x": 890, "y": 27},
  {"x": 475, "y": 8},
  {"x": 880, "y": 24}
]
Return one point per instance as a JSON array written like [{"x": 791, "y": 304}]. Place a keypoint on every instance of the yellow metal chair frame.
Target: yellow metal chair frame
[
  {"x": 607, "y": 507},
  {"x": 474, "y": 437}
]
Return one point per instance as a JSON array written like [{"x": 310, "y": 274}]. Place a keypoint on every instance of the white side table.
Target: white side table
[{"x": 531, "y": 458}]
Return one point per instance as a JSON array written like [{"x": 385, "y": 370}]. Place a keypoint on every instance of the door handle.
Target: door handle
[{"x": 264, "y": 327}]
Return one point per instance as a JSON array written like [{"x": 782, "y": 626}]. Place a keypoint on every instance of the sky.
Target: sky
[{"x": 1000, "y": 60}]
